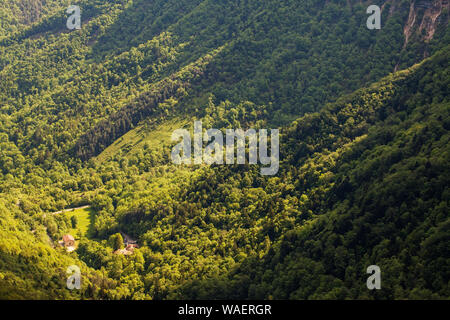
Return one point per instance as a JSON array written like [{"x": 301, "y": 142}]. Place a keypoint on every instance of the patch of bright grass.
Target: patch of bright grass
[
  {"x": 135, "y": 139},
  {"x": 85, "y": 218}
]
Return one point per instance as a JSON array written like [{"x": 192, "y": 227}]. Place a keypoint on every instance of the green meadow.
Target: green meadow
[{"x": 85, "y": 218}]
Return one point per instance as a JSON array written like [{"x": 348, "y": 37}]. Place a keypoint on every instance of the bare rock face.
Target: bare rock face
[{"x": 424, "y": 18}]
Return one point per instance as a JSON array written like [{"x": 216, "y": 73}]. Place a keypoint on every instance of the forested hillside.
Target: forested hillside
[
  {"x": 372, "y": 171},
  {"x": 86, "y": 117},
  {"x": 18, "y": 14}
]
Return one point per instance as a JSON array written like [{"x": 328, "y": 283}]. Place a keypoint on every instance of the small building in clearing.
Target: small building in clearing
[
  {"x": 68, "y": 240},
  {"x": 128, "y": 250},
  {"x": 124, "y": 252},
  {"x": 131, "y": 247}
]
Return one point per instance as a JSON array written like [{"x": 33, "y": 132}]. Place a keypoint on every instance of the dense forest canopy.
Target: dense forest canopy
[{"x": 86, "y": 117}]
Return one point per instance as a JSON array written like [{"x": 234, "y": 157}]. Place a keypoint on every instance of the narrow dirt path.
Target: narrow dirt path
[{"x": 70, "y": 209}]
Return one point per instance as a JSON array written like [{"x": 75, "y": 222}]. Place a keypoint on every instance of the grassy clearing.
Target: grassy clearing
[
  {"x": 85, "y": 219},
  {"x": 135, "y": 139}
]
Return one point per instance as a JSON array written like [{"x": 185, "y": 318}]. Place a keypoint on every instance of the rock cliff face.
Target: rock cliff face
[{"x": 424, "y": 17}]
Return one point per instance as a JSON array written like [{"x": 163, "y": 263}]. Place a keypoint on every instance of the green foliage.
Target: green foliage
[
  {"x": 74, "y": 221},
  {"x": 116, "y": 241},
  {"x": 374, "y": 167},
  {"x": 86, "y": 118}
]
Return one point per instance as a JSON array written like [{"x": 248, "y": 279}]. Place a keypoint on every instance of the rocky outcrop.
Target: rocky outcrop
[{"x": 424, "y": 17}]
